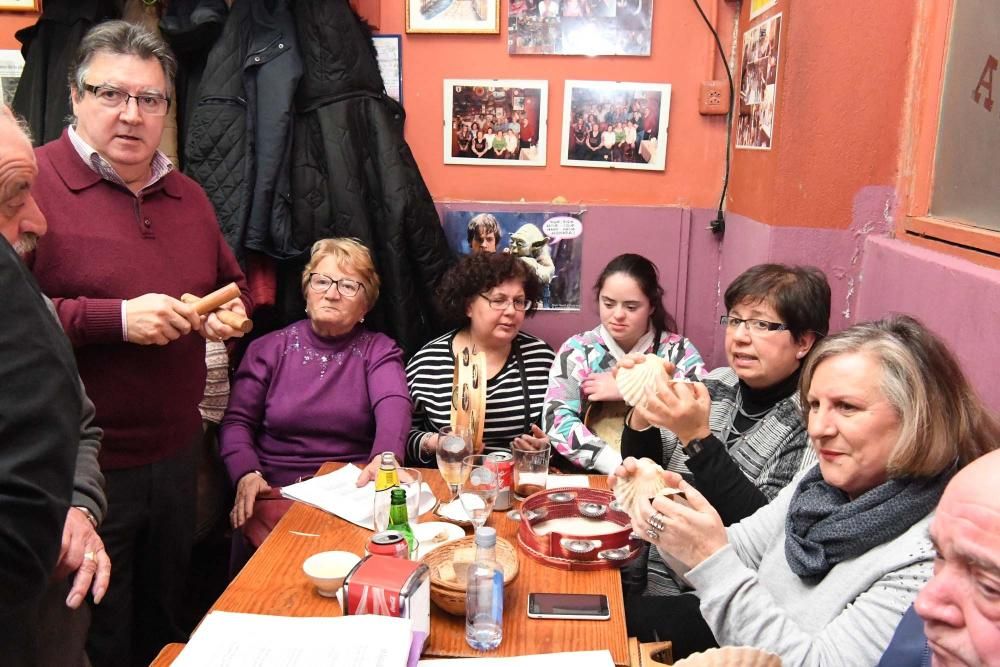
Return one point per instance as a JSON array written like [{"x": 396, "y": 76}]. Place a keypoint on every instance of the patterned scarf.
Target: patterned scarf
[{"x": 824, "y": 527}]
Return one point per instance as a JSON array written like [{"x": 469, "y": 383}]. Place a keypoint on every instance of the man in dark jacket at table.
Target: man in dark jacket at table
[{"x": 40, "y": 401}]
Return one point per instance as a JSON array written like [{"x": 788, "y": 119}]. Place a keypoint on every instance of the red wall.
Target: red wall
[
  {"x": 682, "y": 55},
  {"x": 842, "y": 96},
  {"x": 11, "y": 22}
]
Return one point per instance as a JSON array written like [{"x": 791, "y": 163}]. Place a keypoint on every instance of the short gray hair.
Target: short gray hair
[{"x": 124, "y": 39}]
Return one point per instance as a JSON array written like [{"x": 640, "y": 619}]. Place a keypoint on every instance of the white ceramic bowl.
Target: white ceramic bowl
[{"x": 328, "y": 569}]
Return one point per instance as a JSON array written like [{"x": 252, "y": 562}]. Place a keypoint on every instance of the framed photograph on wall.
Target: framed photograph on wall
[
  {"x": 19, "y": 5},
  {"x": 453, "y": 16},
  {"x": 580, "y": 27},
  {"x": 495, "y": 122},
  {"x": 615, "y": 125},
  {"x": 758, "y": 85}
]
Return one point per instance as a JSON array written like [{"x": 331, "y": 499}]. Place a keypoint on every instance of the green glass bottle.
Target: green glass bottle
[{"x": 399, "y": 520}]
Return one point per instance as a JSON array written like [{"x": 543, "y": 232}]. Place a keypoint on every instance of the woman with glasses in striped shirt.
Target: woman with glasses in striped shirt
[{"x": 485, "y": 298}]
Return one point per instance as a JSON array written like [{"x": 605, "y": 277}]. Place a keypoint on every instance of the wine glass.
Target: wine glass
[
  {"x": 479, "y": 487},
  {"x": 454, "y": 444},
  {"x": 411, "y": 481}
]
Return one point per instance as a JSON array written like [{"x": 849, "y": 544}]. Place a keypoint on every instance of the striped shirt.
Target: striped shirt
[{"x": 429, "y": 376}]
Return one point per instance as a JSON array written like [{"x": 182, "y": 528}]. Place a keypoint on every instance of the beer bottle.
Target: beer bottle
[
  {"x": 387, "y": 479},
  {"x": 399, "y": 520}
]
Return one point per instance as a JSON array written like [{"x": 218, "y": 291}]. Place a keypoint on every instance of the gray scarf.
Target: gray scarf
[{"x": 825, "y": 527}]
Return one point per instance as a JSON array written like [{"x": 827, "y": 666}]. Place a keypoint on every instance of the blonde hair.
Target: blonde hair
[
  {"x": 941, "y": 418},
  {"x": 350, "y": 255}
]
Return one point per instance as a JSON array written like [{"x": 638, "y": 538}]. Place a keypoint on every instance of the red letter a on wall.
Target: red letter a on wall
[{"x": 986, "y": 81}]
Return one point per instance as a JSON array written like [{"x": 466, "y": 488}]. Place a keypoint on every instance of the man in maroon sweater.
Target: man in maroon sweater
[{"x": 127, "y": 236}]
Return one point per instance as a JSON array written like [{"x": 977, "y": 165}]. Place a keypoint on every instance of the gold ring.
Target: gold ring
[{"x": 88, "y": 555}]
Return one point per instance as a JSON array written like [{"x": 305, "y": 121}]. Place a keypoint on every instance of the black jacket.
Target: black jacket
[
  {"x": 239, "y": 141},
  {"x": 352, "y": 173},
  {"x": 48, "y": 47}
]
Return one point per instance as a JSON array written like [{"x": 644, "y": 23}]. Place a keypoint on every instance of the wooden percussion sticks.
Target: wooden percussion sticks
[{"x": 212, "y": 302}]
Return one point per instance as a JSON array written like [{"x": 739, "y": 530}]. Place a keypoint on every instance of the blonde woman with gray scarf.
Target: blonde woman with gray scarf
[{"x": 822, "y": 574}]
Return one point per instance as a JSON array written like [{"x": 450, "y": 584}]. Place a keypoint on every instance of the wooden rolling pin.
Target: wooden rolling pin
[{"x": 212, "y": 302}]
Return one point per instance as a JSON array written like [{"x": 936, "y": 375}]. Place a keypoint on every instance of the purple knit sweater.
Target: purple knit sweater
[{"x": 300, "y": 399}]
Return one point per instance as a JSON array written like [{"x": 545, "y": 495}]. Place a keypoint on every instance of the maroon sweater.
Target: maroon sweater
[{"x": 104, "y": 245}]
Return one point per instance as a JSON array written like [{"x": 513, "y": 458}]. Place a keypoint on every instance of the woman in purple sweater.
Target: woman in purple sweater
[{"x": 322, "y": 389}]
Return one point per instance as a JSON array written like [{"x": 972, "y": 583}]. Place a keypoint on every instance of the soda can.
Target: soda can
[
  {"x": 388, "y": 543},
  {"x": 503, "y": 464}
]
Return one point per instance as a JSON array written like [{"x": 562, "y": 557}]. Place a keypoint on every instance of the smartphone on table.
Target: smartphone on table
[{"x": 580, "y": 606}]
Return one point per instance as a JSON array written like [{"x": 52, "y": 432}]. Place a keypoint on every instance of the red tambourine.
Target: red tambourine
[{"x": 576, "y": 529}]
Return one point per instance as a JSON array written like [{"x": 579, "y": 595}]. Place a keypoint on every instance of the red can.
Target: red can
[
  {"x": 503, "y": 464},
  {"x": 388, "y": 543}
]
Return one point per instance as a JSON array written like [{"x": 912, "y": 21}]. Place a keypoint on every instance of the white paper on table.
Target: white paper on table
[
  {"x": 337, "y": 494},
  {"x": 567, "y": 481},
  {"x": 575, "y": 658},
  {"x": 226, "y": 639}
]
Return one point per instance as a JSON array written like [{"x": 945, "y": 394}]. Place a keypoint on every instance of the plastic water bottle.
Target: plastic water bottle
[
  {"x": 387, "y": 479},
  {"x": 484, "y": 594}
]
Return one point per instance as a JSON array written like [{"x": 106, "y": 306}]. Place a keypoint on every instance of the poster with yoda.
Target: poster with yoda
[{"x": 550, "y": 243}]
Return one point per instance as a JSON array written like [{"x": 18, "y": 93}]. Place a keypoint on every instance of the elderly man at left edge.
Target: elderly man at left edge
[
  {"x": 40, "y": 403},
  {"x": 128, "y": 235}
]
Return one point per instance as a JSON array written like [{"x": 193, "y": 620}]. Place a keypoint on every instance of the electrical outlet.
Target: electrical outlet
[{"x": 714, "y": 98}]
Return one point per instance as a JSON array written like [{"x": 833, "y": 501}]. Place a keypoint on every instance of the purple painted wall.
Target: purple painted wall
[
  {"x": 870, "y": 274},
  {"x": 659, "y": 233},
  {"x": 958, "y": 300}
]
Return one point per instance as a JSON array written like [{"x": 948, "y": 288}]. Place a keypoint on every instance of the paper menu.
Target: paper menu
[
  {"x": 575, "y": 658},
  {"x": 337, "y": 494},
  {"x": 226, "y": 639}
]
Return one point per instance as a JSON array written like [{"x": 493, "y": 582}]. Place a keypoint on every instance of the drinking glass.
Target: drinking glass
[
  {"x": 411, "y": 481},
  {"x": 479, "y": 488},
  {"x": 454, "y": 445},
  {"x": 531, "y": 470}
]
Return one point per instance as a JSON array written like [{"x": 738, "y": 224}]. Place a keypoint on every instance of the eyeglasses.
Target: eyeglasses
[
  {"x": 501, "y": 303},
  {"x": 320, "y": 283},
  {"x": 112, "y": 98},
  {"x": 753, "y": 325}
]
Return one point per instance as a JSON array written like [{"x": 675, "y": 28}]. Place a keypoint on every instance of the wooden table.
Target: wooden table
[{"x": 273, "y": 583}]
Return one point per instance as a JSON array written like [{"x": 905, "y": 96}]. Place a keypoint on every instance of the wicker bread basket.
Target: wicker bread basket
[{"x": 448, "y": 564}]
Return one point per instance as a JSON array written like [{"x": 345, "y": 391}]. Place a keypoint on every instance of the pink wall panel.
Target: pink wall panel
[{"x": 957, "y": 299}]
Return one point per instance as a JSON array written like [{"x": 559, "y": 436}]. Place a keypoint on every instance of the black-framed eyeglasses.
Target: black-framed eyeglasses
[
  {"x": 753, "y": 325},
  {"x": 319, "y": 282},
  {"x": 154, "y": 105},
  {"x": 501, "y": 303}
]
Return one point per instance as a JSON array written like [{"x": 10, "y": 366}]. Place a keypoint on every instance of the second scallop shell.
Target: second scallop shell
[
  {"x": 731, "y": 656},
  {"x": 645, "y": 482},
  {"x": 632, "y": 381}
]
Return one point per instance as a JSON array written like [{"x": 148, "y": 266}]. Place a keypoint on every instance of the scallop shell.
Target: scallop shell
[
  {"x": 632, "y": 381},
  {"x": 731, "y": 656},
  {"x": 645, "y": 482}
]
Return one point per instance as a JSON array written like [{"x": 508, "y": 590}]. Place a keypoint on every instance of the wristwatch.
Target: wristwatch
[
  {"x": 694, "y": 447},
  {"x": 87, "y": 513}
]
